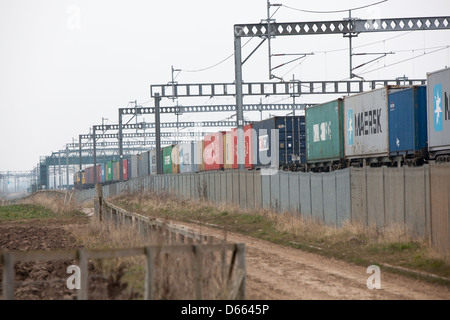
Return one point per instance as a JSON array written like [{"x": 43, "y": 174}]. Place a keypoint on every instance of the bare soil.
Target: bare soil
[{"x": 46, "y": 280}]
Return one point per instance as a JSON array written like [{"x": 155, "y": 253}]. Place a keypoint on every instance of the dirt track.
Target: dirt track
[{"x": 281, "y": 273}]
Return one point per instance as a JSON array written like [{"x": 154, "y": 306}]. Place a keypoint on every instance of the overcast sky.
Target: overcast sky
[{"x": 66, "y": 64}]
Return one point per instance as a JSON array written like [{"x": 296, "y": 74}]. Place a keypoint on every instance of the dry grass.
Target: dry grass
[
  {"x": 58, "y": 203},
  {"x": 394, "y": 244},
  {"x": 174, "y": 278}
]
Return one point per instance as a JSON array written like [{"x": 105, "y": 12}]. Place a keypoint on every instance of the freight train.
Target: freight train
[{"x": 391, "y": 125}]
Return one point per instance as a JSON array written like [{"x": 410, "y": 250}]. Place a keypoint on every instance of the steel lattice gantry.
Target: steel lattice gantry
[{"x": 348, "y": 27}]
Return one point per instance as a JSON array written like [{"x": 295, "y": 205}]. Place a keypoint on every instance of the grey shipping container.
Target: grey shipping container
[
  {"x": 366, "y": 124},
  {"x": 186, "y": 156},
  {"x": 143, "y": 164},
  {"x": 134, "y": 166},
  {"x": 438, "y": 94},
  {"x": 152, "y": 162}
]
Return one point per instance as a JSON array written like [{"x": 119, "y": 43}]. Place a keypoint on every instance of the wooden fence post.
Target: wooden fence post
[
  {"x": 149, "y": 274},
  {"x": 8, "y": 276},
  {"x": 198, "y": 279},
  {"x": 98, "y": 203},
  {"x": 82, "y": 258},
  {"x": 241, "y": 265}
]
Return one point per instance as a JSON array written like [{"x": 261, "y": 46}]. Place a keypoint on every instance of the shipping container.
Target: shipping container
[
  {"x": 99, "y": 173},
  {"x": 143, "y": 164},
  {"x": 325, "y": 132},
  {"x": 438, "y": 95},
  {"x": 199, "y": 161},
  {"x": 134, "y": 166},
  {"x": 408, "y": 122},
  {"x": 213, "y": 152},
  {"x": 102, "y": 172},
  {"x": 167, "y": 159},
  {"x": 116, "y": 170},
  {"x": 366, "y": 128},
  {"x": 186, "y": 156},
  {"x": 126, "y": 168},
  {"x": 109, "y": 171},
  {"x": 176, "y": 161},
  {"x": 229, "y": 150},
  {"x": 279, "y": 141},
  {"x": 152, "y": 162},
  {"x": 248, "y": 147}
]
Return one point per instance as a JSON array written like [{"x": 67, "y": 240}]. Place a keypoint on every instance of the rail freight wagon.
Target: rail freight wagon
[
  {"x": 213, "y": 152},
  {"x": 325, "y": 135},
  {"x": 438, "y": 95},
  {"x": 366, "y": 129},
  {"x": 279, "y": 142},
  {"x": 408, "y": 125}
]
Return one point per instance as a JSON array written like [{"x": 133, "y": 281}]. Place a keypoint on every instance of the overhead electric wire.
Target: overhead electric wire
[
  {"x": 333, "y": 11},
  {"x": 218, "y": 63}
]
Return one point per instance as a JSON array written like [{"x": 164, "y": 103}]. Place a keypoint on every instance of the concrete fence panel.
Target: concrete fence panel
[
  {"x": 329, "y": 199},
  {"x": 305, "y": 194},
  {"x": 317, "y": 196}
]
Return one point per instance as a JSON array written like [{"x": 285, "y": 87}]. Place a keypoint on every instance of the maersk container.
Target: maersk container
[
  {"x": 167, "y": 159},
  {"x": 109, "y": 171},
  {"x": 152, "y": 162},
  {"x": 366, "y": 128},
  {"x": 186, "y": 156},
  {"x": 228, "y": 150},
  {"x": 438, "y": 95},
  {"x": 408, "y": 121},
  {"x": 285, "y": 134},
  {"x": 134, "y": 166},
  {"x": 213, "y": 152},
  {"x": 143, "y": 164},
  {"x": 325, "y": 132}
]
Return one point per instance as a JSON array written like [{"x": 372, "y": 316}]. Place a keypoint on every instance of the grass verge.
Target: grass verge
[{"x": 387, "y": 247}]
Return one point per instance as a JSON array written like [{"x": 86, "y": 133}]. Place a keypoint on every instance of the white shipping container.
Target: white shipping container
[
  {"x": 366, "y": 124},
  {"x": 438, "y": 96}
]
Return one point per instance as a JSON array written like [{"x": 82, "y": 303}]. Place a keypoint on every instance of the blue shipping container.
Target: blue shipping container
[
  {"x": 288, "y": 133},
  {"x": 407, "y": 121},
  {"x": 103, "y": 172}
]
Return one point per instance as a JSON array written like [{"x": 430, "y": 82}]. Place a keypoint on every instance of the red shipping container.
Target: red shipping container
[
  {"x": 213, "y": 152},
  {"x": 125, "y": 169},
  {"x": 248, "y": 147}
]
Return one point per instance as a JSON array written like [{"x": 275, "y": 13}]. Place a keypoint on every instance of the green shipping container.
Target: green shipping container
[
  {"x": 109, "y": 171},
  {"x": 325, "y": 132},
  {"x": 167, "y": 159}
]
